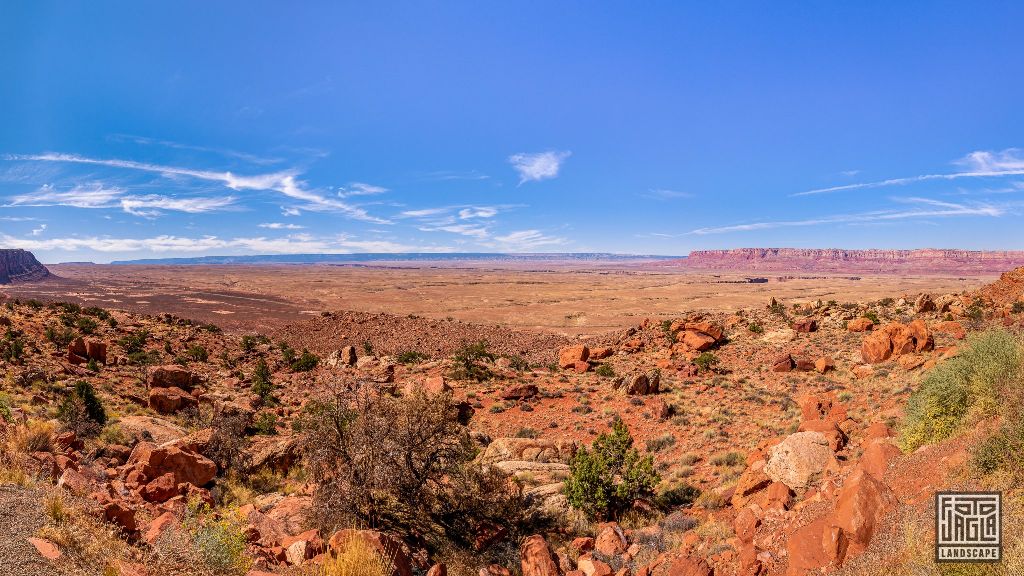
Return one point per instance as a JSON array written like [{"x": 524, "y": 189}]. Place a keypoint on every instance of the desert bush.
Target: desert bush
[
  {"x": 963, "y": 389},
  {"x": 605, "y": 371},
  {"x": 135, "y": 342},
  {"x": 82, "y": 411},
  {"x": 228, "y": 441},
  {"x": 755, "y": 328},
  {"x": 305, "y": 362},
  {"x": 467, "y": 362},
  {"x": 659, "y": 443},
  {"x": 403, "y": 465},
  {"x": 12, "y": 347},
  {"x": 86, "y": 325},
  {"x": 871, "y": 315},
  {"x": 262, "y": 385},
  {"x": 706, "y": 360},
  {"x": 197, "y": 353},
  {"x": 728, "y": 459},
  {"x": 1018, "y": 307},
  {"x": 605, "y": 480},
  {"x": 59, "y": 336},
  {"x": 357, "y": 558},
  {"x": 219, "y": 544},
  {"x": 5, "y": 408},
  {"x": 35, "y": 436},
  {"x": 265, "y": 423},
  {"x": 678, "y": 495}
]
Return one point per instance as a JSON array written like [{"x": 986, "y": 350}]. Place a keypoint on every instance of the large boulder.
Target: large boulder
[
  {"x": 536, "y": 557},
  {"x": 528, "y": 450},
  {"x": 151, "y": 462},
  {"x": 860, "y": 325},
  {"x": 863, "y": 502},
  {"x": 170, "y": 400},
  {"x": 800, "y": 460},
  {"x": 640, "y": 383},
  {"x": 570, "y": 355},
  {"x": 895, "y": 339},
  {"x": 174, "y": 376}
]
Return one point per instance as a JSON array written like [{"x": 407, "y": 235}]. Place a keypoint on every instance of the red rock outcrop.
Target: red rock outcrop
[
  {"x": 837, "y": 260},
  {"x": 20, "y": 266}
]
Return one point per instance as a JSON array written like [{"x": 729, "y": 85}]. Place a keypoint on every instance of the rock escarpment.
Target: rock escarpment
[
  {"x": 20, "y": 266},
  {"x": 838, "y": 260}
]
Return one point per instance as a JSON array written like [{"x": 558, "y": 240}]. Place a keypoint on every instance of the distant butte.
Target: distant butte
[
  {"x": 924, "y": 261},
  {"x": 20, "y": 266}
]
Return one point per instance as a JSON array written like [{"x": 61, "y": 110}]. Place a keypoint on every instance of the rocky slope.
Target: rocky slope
[
  {"x": 771, "y": 428},
  {"x": 927, "y": 261},
  {"x": 20, "y": 266}
]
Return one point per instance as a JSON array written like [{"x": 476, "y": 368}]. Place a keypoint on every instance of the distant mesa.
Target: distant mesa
[
  {"x": 924, "y": 261},
  {"x": 20, "y": 266}
]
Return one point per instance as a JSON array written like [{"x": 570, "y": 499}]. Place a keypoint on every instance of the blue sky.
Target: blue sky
[{"x": 144, "y": 129}]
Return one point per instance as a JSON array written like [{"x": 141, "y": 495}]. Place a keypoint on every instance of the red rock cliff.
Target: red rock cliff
[
  {"x": 837, "y": 260},
  {"x": 20, "y": 266}
]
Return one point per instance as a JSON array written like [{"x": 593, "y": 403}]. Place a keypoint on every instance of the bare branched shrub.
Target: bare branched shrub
[{"x": 402, "y": 465}]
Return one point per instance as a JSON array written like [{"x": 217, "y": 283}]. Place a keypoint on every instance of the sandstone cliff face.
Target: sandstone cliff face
[
  {"x": 836, "y": 260},
  {"x": 20, "y": 266}
]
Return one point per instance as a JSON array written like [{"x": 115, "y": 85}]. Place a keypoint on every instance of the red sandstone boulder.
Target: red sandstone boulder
[
  {"x": 570, "y": 355},
  {"x": 174, "y": 376},
  {"x": 151, "y": 462},
  {"x": 536, "y": 557},
  {"x": 862, "y": 503},
  {"x": 877, "y": 456},
  {"x": 170, "y": 400},
  {"x": 783, "y": 363},
  {"x": 520, "y": 392},
  {"x": 805, "y": 325},
  {"x": 860, "y": 325}
]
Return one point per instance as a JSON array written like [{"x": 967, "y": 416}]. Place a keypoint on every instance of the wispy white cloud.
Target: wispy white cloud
[
  {"x": 473, "y": 230},
  {"x": 528, "y": 240},
  {"x": 538, "y": 166},
  {"x": 478, "y": 212},
  {"x": 665, "y": 194},
  {"x": 97, "y": 195},
  {"x": 925, "y": 208},
  {"x": 360, "y": 189},
  {"x": 38, "y": 231},
  {"x": 980, "y": 164},
  {"x": 226, "y": 152},
  {"x": 280, "y": 226},
  {"x": 284, "y": 182},
  {"x": 295, "y": 244},
  {"x": 455, "y": 175}
]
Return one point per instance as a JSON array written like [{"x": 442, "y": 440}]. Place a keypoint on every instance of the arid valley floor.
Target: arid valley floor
[{"x": 775, "y": 415}]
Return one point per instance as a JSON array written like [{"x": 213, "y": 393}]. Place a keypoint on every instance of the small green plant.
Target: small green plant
[
  {"x": 467, "y": 362},
  {"x": 135, "y": 342},
  {"x": 5, "y": 408},
  {"x": 605, "y": 480},
  {"x": 871, "y": 315},
  {"x": 59, "y": 336},
  {"x": 82, "y": 411},
  {"x": 1018, "y": 307},
  {"x": 705, "y": 361},
  {"x": 265, "y": 423},
  {"x": 262, "y": 385},
  {"x": 305, "y": 362},
  {"x": 659, "y": 443},
  {"x": 251, "y": 341},
  {"x": 367, "y": 347},
  {"x": 605, "y": 371},
  {"x": 728, "y": 459},
  {"x": 755, "y": 328},
  {"x": 517, "y": 363},
  {"x": 220, "y": 543},
  {"x": 287, "y": 352},
  {"x": 86, "y": 325},
  {"x": 197, "y": 353},
  {"x": 526, "y": 433}
]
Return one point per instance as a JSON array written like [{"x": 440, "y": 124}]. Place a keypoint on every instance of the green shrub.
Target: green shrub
[
  {"x": 605, "y": 371},
  {"x": 135, "y": 342},
  {"x": 755, "y": 328},
  {"x": 962, "y": 389},
  {"x": 219, "y": 543},
  {"x": 265, "y": 423},
  {"x": 305, "y": 362},
  {"x": 86, "y": 325},
  {"x": 467, "y": 362},
  {"x": 82, "y": 411},
  {"x": 5, "y": 408},
  {"x": 60, "y": 336},
  {"x": 728, "y": 459},
  {"x": 1018, "y": 307},
  {"x": 870, "y": 315},
  {"x": 706, "y": 360},
  {"x": 605, "y": 480},
  {"x": 677, "y": 496},
  {"x": 262, "y": 385},
  {"x": 659, "y": 443},
  {"x": 197, "y": 353},
  {"x": 287, "y": 352}
]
